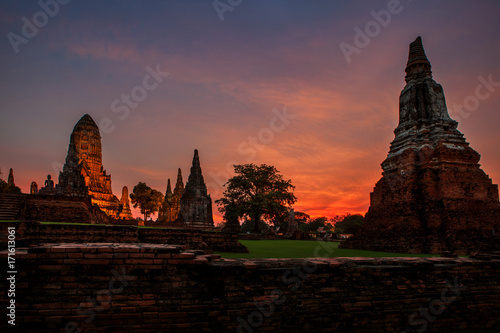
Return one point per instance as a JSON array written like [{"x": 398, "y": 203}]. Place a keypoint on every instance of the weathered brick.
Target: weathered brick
[{"x": 343, "y": 294}]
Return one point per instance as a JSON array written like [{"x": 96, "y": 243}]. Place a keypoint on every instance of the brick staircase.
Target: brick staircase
[{"x": 11, "y": 206}]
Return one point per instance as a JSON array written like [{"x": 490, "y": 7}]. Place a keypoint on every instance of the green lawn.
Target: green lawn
[{"x": 305, "y": 249}]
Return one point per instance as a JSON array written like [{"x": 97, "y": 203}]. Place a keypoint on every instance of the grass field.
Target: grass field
[{"x": 305, "y": 249}]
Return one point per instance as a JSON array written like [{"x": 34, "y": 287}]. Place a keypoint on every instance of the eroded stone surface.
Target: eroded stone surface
[
  {"x": 433, "y": 195},
  {"x": 83, "y": 172}
]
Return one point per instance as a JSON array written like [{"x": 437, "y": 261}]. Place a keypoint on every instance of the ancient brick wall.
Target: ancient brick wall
[
  {"x": 405, "y": 239},
  {"x": 33, "y": 232},
  {"x": 60, "y": 208},
  {"x": 159, "y": 288}
]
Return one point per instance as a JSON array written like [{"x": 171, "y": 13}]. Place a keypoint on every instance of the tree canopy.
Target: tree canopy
[
  {"x": 350, "y": 224},
  {"x": 249, "y": 226},
  {"x": 312, "y": 225},
  {"x": 256, "y": 192},
  {"x": 148, "y": 199},
  {"x": 301, "y": 217}
]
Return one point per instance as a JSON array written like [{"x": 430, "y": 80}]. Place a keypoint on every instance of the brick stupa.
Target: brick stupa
[
  {"x": 169, "y": 211},
  {"x": 196, "y": 204},
  {"x": 83, "y": 173},
  {"x": 433, "y": 196},
  {"x": 124, "y": 211}
]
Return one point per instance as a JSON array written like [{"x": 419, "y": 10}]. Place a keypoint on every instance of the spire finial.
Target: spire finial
[
  {"x": 179, "y": 185},
  {"x": 195, "y": 180},
  {"x": 418, "y": 65},
  {"x": 196, "y": 159},
  {"x": 10, "y": 180},
  {"x": 169, "y": 188},
  {"x": 179, "y": 178}
]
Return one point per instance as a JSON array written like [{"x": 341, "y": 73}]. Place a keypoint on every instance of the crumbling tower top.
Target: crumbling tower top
[{"x": 418, "y": 66}]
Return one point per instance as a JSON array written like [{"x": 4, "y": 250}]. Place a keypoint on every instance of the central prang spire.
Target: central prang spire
[
  {"x": 423, "y": 116},
  {"x": 196, "y": 204},
  {"x": 196, "y": 183},
  {"x": 418, "y": 65}
]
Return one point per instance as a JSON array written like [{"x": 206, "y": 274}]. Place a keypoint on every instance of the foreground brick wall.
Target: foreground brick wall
[
  {"x": 33, "y": 232},
  {"x": 159, "y": 288}
]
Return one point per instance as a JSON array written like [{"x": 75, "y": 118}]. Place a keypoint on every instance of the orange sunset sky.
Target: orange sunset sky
[{"x": 232, "y": 76}]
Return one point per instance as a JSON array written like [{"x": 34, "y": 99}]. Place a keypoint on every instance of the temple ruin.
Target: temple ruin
[
  {"x": 84, "y": 190},
  {"x": 433, "y": 196},
  {"x": 124, "y": 212},
  {"x": 83, "y": 172},
  {"x": 196, "y": 204},
  {"x": 189, "y": 206},
  {"x": 169, "y": 211}
]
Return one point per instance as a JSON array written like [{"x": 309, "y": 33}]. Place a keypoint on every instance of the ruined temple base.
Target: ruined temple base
[
  {"x": 29, "y": 233},
  {"x": 432, "y": 210},
  {"x": 405, "y": 239}
]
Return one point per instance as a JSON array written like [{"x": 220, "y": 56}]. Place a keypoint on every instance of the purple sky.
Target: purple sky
[{"x": 226, "y": 78}]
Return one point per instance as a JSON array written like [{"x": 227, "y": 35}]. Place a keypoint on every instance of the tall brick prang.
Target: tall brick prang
[
  {"x": 83, "y": 173},
  {"x": 433, "y": 195},
  {"x": 196, "y": 204}
]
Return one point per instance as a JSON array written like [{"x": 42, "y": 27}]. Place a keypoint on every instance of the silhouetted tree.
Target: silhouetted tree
[
  {"x": 249, "y": 225},
  {"x": 148, "y": 199},
  {"x": 257, "y": 192},
  {"x": 313, "y": 224},
  {"x": 301, "y": 217},
  {"x": 231, "y": 219},
  {"x": 350, "y": 224}
]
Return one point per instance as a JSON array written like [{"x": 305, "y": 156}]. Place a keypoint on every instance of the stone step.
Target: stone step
[
  {"x": 11, "y": 205},
  {"x": 9, "y": 214}
]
